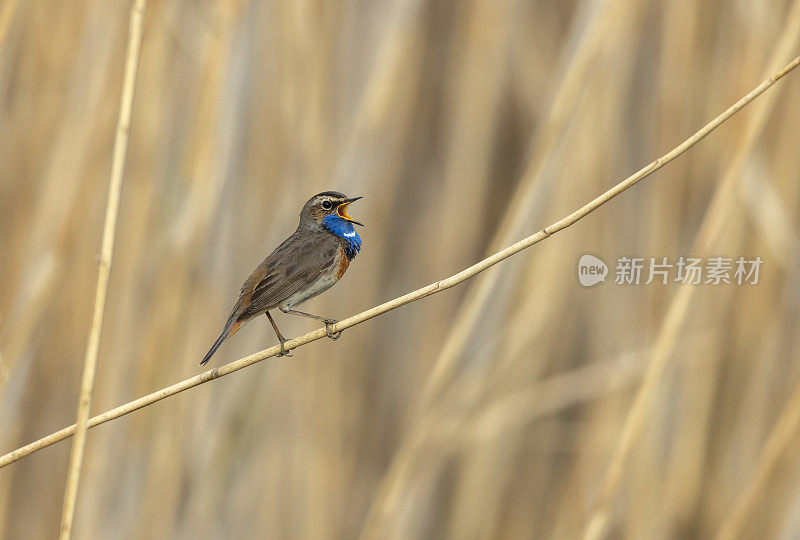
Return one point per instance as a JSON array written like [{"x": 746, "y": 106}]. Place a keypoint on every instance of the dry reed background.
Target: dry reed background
[{"x": 466, "y": 125}]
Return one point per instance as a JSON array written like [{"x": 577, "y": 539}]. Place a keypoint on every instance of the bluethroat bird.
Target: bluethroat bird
[{"x": 306, "y": 264}]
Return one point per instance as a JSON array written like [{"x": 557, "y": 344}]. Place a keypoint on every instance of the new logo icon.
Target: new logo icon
[{"x": 591, "y": 270}]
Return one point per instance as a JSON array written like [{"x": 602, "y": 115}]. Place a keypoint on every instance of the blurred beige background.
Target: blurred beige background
[{"x": 466, "y": 125}]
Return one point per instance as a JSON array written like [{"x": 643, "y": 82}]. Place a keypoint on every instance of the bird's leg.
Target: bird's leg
[
  {"x": 328, "y": 322},
  {"x": 282, "y": 339}
]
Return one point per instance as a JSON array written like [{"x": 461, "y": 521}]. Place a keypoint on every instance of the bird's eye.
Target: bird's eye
[{"x": 326, "y": 205}]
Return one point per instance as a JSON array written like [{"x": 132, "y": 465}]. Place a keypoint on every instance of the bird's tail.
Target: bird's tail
[{"x": 230, "y": 329}]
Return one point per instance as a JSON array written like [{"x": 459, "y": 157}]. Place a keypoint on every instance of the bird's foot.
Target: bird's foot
[
  {"x": 284, "y": 350},
  {"x": 332, "y": 335}
]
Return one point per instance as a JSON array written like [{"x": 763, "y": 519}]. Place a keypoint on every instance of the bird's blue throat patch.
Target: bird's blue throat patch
[{"x": 345, "y": 230}]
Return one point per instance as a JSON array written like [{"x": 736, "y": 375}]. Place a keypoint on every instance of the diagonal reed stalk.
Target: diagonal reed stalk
[
  {"x": 783, "y": 432},
  {"x": 565, "y": 96},
  {"x": 418, "y": 294},
  {"x": 104, "y": 270},
  {"x": 713, "y": 226}
]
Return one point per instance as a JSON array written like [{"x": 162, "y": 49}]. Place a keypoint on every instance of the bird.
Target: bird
[{"x": 307, "y": 263}]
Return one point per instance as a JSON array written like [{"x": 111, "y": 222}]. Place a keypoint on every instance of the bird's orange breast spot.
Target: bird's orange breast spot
[{"x": 344, "y": 262}]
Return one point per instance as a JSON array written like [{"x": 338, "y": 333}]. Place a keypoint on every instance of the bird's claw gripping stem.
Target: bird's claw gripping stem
[
  {"x": 332, "y": 335},
  {"x": 284, "y": 350}
]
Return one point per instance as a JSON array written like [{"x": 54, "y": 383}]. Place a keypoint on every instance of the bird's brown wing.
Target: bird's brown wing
[{"x": 294, "y": 265}]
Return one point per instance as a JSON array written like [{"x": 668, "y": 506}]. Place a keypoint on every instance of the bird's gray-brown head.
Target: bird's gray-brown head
[{"x": 328, "y": 210}]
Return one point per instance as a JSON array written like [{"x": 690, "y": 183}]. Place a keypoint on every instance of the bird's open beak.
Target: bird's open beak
[{"x": 342, "y": 211}]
